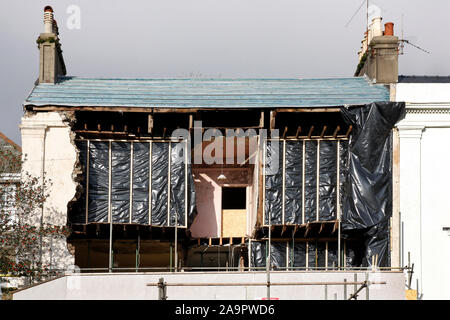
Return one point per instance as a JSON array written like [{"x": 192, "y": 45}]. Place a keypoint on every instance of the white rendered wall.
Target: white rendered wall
[
  {"x": 129, "y": 286},
  {"x": 46, "y": 142},
  {"x": 424, "y": 181}
]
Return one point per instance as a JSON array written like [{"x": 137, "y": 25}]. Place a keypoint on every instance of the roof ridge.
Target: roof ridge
[{"x": 9, "y": 141}]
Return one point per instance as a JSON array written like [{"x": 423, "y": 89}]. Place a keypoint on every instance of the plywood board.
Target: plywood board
[{"x": 234, "y": 222}]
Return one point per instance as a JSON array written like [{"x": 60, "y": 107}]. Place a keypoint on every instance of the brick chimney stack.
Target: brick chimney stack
[
  {"x": 51, "y": 62},
  {"x": 379, "y": 59}
]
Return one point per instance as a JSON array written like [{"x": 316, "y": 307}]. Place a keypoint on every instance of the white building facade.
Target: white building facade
[{"x": 424, "y": 180}]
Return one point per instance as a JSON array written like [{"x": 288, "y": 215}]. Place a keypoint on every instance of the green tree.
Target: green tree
[{"x": 22, "y": 233}]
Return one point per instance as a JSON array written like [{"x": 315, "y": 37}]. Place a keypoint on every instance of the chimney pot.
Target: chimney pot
[
  {"x": 48, "y": 20},
  {"x": 389, "y": 29}
]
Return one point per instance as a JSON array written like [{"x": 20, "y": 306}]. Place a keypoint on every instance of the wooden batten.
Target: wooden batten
[
  {"x": 348, "y": 131},
  {"x": 299, "y": 129},
  {"x": 273, "y": 115},
  {"x": 310, "y": 132},
  {"x": 336, "y": 132},
  {"x": 323, "y": 132}
]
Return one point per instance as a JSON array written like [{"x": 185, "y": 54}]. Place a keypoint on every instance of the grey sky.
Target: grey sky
[{"x": 210, "y": 38}]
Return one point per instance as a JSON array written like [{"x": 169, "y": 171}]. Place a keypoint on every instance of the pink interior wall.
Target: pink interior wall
[
  {"x": 209, "y": 204},
  {"x": 208, "y": 190}
]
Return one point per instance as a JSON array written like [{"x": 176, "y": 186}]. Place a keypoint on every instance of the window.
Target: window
[{"x": 234, "y": 198}]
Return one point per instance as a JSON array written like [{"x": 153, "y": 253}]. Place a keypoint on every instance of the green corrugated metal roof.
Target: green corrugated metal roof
[{"x": 207, "y": 93}]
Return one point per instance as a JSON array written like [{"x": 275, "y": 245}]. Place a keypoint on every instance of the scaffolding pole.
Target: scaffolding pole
[
  {"x": 87, "y": 180},
  {"x": 176, "y": 245},
  {"x": 109, "y": 209},
  {"x": 338, "y": 202},
  {"x": 268, "y": 251}
]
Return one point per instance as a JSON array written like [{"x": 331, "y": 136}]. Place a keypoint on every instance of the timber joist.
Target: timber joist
[{"x": 314, "y": 229}]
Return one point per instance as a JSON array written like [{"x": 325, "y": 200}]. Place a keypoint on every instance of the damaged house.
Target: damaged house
[{"x": 160, "y": 175}]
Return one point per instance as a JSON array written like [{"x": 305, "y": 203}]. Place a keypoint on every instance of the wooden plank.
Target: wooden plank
[
  {"x": 150, "y": 123},
  {"x": 323, "y": 132},
  {"x": 191, "y": 121},
  {"x": 338, "y": 181},
  {"x": 167, "y": 110},
  {"x": 299, "y": 129},
  {"x": 335, "y": 226},
  {"x": 150, "y": 176},
  {"x": 303, "y": 180},
  {"x": 186, "y": 184},
  {"x": 234, "y": 222},
  {"x": 131, "y": 180},
  {"x": 336, "y": 132},
  {"x": 348, "y": 131},
  {"x": 169, "y": 184},
  {"x": 263, "y": 222},
  {"x": 283, "y": 186},
  {"x": 87, "y": 180},
  {"x": 308, "y": 228},
  {"x": 284, "y": 132},
  {"x": 321, "y": 227},
  {"x": 318, "y": 181},
  {"x": 273, "y": 115},
  {"x": 331, "y": 109},
  {"x": 310, "y": 132},
  {"x": 261, "y": 120}
]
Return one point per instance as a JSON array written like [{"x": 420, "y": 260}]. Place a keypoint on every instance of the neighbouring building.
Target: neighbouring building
[
  {"x": 424, "y": 158},
  {"x": 210, "y": 179},
  {"x": 9, "y": 172}
]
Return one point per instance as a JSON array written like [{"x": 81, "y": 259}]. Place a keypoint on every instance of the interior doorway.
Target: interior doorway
[{"x": 234, "y": 211}]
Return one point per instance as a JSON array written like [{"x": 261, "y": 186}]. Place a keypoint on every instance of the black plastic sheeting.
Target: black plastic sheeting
[
  {"x": 78, "y": 212},
  {"x": 192, "y": 208},
  {"x": 278, "y": 255},
  {"x": 296, "y": 254},
  {"x": 354, "y": 251},
  {"x": 310, "y": 180},
  {"x": 367, "y": 198},
  {"x": 258, "y": 254},
  {"x": 332, "y": 255},
  {"x": 343, "y": 168},
  {"x": 120, "y": 181},
  {"x": 293, "y": 176},
  {"x": 160, "y": 180},
  {"x": 377, "y": 243},
  {"x": 368, "y": 195},
  {"x": 278, "y": 252},
  {"x": 98, "y": 196},
  {"x": 316, "y": 254},
  {"x": 327, "y": 180},
  {"x": 177, "y": 184},
  {"x": 274, "y": 182},
  {"x": 134, "y": 159},
  {"x": 141, "y": 169},
  {"x": 293, "y": 182}
]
